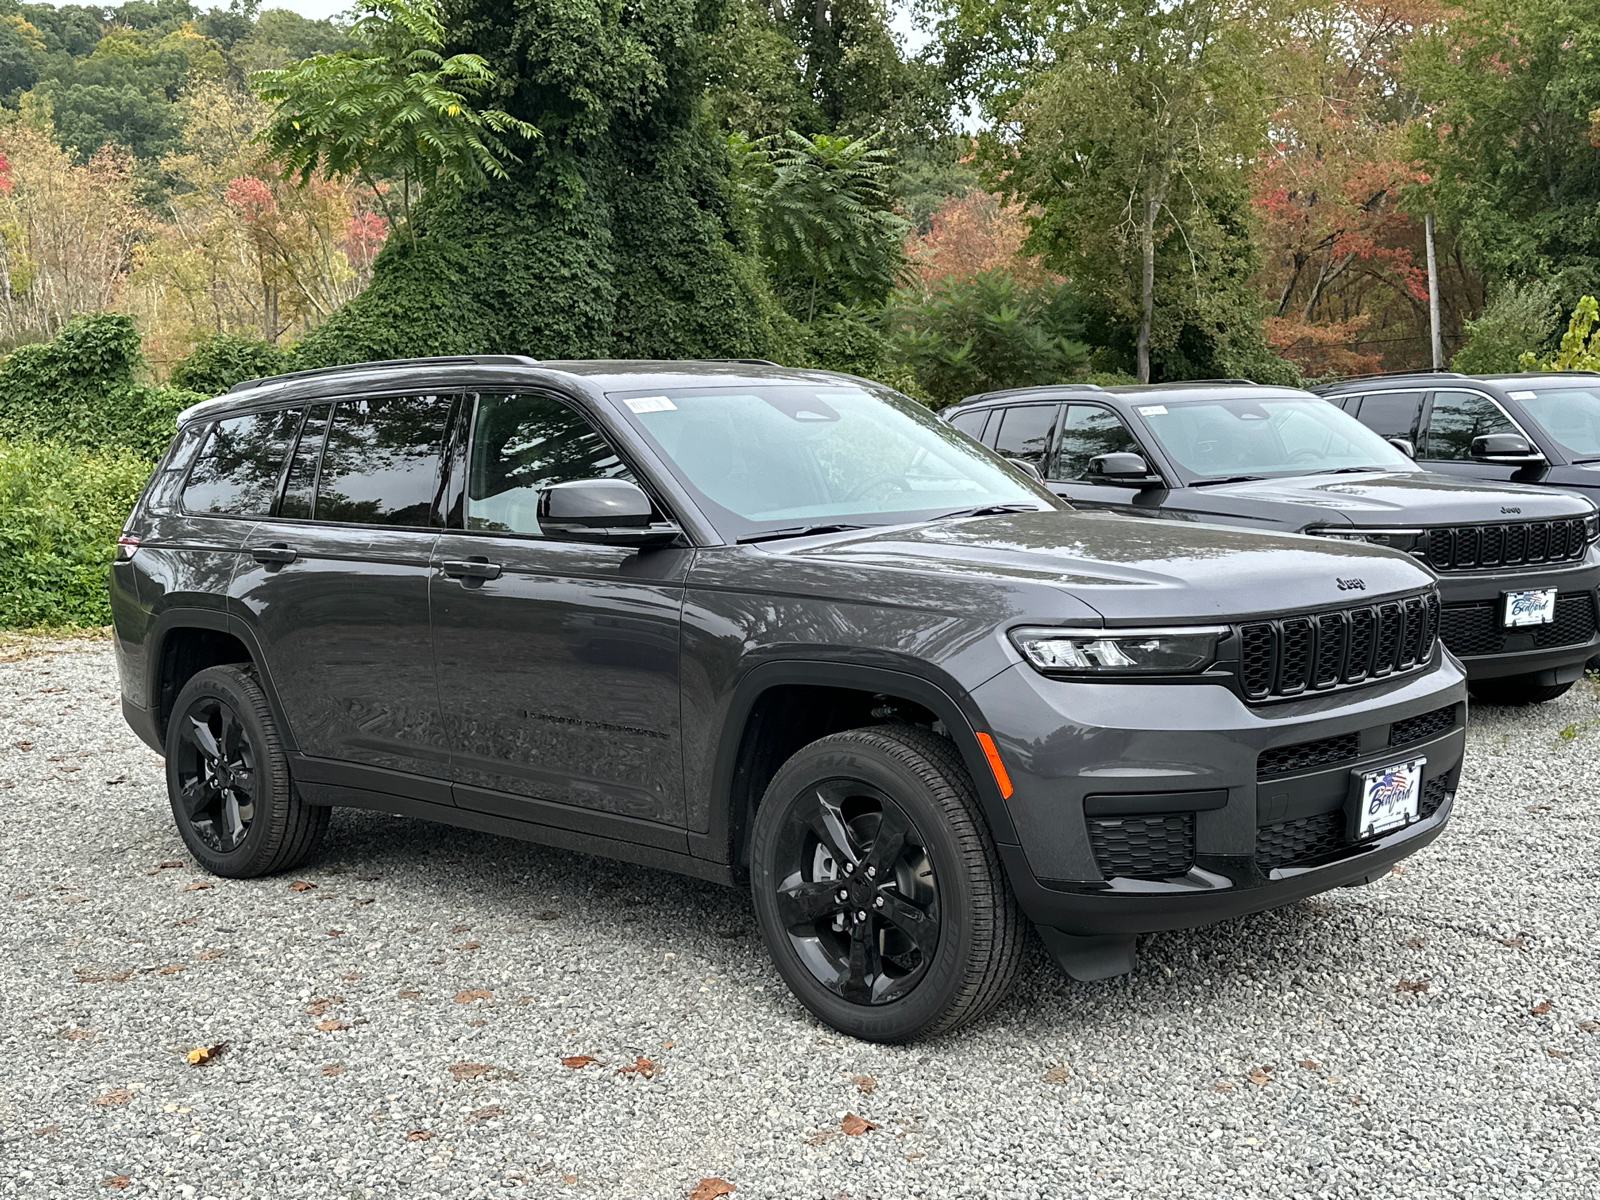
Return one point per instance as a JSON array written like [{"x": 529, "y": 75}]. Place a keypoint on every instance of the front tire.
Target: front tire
[
  {"x": 228, "y": 780},
  {"x": 1516, "y": 691},
  {"x": 878, "y": 889}
]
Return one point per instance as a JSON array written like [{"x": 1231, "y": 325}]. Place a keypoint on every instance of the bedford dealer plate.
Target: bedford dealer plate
[
  {"x": 1389, "y": 798},
  {"x": 1530, "y": 608}
]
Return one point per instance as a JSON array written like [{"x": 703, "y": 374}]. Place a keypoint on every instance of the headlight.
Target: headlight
[
  {"x": 1119, "y": 651},
  {"x": 1395, "y": 539},
  {"x": 1591, "y": 526}
]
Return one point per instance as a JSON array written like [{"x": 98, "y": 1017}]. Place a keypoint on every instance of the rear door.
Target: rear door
[
  {"x": 1026, "y": 432},
  {"x": 1391, "y": 414},
  {"x": 335, "y": 587}
]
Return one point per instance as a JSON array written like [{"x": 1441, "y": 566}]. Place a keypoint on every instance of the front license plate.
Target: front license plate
[
  {"x": 1530, "y": 608},
  {"x": 1389, "y": 798}
]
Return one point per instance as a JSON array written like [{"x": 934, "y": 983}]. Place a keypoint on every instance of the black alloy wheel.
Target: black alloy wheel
[
  {"x": 858, "y": 898},
  {"x": 217, "y": 780}
]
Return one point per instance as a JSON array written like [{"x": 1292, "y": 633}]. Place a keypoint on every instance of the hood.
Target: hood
[
  {"x": 1405, "y": 498},
  {"x": 1127, "y": 569}
]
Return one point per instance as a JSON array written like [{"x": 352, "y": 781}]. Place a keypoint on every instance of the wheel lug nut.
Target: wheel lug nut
[
  {"x": 878, "y": 903},
  {"x": 849, "y": 868},
  {"x": 872, "y": 872},
  {"x": 843, "y": 894},
  {"x": 861, "y": 916}
]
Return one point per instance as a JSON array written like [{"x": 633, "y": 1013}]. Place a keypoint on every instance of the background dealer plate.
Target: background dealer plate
[{"x": 1536, "y": 607}]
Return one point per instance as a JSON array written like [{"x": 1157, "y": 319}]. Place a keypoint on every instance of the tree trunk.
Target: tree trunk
[{"x": 1147, "y": 282}]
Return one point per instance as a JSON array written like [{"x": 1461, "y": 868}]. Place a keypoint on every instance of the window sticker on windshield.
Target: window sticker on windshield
[
  {"x": 1152, "y": 410},
  {"x": 1523, "y": 395},
  {"x": 649, "y": 404}
]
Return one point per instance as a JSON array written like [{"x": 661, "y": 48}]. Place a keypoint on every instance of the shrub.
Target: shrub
[
  {"x": 224, "y": 359},
  {"x": 1521, "y": 318},
  {"x": 61, "y": 508}
]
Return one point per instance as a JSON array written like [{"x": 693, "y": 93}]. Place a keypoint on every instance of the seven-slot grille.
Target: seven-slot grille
[
  {"x": 1481, "y": 547},
  {"x": 1345, "y": 646}
]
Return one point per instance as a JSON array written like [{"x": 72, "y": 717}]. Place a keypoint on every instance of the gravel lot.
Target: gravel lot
[{"x": 1431, "y": 1035}]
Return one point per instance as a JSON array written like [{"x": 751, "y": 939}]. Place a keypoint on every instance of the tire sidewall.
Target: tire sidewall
[{"x": 899, "y": 1020}]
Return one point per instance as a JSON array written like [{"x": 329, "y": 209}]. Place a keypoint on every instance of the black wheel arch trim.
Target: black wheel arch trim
[{"x": 171, "y": 620}]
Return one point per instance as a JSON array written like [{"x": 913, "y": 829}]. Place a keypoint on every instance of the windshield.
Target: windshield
[
  {"x": 1222, "y": 438},
  {"x": 1570, "y": 415},
  {"x": 783, "y": 454}
]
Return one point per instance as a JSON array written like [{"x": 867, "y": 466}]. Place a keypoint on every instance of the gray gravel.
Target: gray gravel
[{"x": 1294, "y": 1053}]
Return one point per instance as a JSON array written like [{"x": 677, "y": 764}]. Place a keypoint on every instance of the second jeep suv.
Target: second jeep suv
[
  {"x": 1517, "y": 566},
  {"x": 776, "y": 627}
]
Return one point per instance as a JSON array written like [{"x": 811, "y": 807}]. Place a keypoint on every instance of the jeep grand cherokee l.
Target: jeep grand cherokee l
[
  {"x": 1517, "y": 566},
  {"x": 775, "y": 627}
]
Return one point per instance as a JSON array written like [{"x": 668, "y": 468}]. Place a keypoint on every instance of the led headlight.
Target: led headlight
[
  {"x": 1591, "y": 526},
  {"x": 1119, "y": 651},
  {"x": 1397, "y": 539}
]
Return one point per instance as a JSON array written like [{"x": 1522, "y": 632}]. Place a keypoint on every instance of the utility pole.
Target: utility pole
[{"x": 1433, "y": 295}]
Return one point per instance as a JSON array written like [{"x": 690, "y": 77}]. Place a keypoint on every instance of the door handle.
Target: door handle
[
  {"x": 472, "y": 568},
  {"x": 276, "y": 555}
]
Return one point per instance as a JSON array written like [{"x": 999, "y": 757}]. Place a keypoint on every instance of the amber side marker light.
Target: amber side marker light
[{"x": 992, "y": 753}]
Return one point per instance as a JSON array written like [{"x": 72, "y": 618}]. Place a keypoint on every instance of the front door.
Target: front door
[
  {"x": 1454, "y": 419},
  {"x": 557, "y": 661},
  {"x": 1088, "y": 430}
]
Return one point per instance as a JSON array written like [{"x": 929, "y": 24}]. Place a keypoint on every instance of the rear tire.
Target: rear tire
[
  {"x": 1516, "y": 691},
  {"x": 228, "y": 780},
  {"x": 878, "y": 889}
]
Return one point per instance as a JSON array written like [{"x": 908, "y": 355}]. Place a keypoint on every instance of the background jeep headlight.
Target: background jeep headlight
[
  {"x": 1119, "y": 651},
  {"x": 1591, "y": 526},
  {"x": 1397, "y": 539}
]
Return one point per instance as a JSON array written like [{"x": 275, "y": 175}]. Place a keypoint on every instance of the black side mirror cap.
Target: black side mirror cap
[
  {"x": 1508, "y": 448},
  {"x": 1404, "y": 445},
  {"x": 613, "y": 512},
  {"x": 1027, "y": 468},
  {"x": 1125, "y": 469}
]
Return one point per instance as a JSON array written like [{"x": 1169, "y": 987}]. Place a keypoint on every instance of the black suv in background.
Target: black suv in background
[
  {"x": 1517, "y": 566},
  {"x": 778, "y": 627}
]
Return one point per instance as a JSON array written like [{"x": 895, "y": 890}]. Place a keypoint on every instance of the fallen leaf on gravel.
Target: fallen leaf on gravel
[
  {"x": 1057, "y": 1074},
  {"x": 22, "y": 745},
  {"x": 302, "y": 885},
  {"x": 351, "y": 976},
  {"x": 468, "y": 995},
  {"x": 201, "y": 1055},
  {"x": 548, "y": 915},
  {"x": 168, "y": 864},
  {"x": 117, "y": 780},
  {"x": 818, "y": 1137},
  {"x": 360, "y": 900},
  {"x": 569, "y": 1177},
  {"x": 1259, "y": 1076},
  {"x": 170, "y": 969},
  {"x": 117, "y": 1181},
  {"x": 467, "y": 946},
  {"x": 1311, "y": 1064},
  {"x": 1589, "y": 1026},
  {"x": 211, "y": 955},
  {"x": 369, "y": 878},
  {"x": 461, "y": 929},
  {"x": 78, "y": 1035},
  {"x": 419, "y": 1135},
  {"x": 1222, "y": 1085},
  {"x": 466, "y": 1070},
  {"x": 199, "y": 885},
  {"x": 333, "y": 1068},
  {"x": 476, "y": 1024},
  {"x": 577, "y": 1062},
  {"x": 1555, "y": 1053},
  {"x": 185, "y": 921},
  {"x": 331, "y": 1026},
  {"x": 317, "y": 1007},
  {"x": 46, "y": 1130},
  {"x": 1414, "y": 987},
  {"x": 122, "y": 976},
  {"x": 1398, "y": 870},
  {"x": 865, "y": 1082},
  {"x": 1358, "y": 1099},
  {"x": 915, "y": 1154},
  {"x": 1415, "y": 943},
  {"x": 1540, "y": 1008},
  {"x": 114, "y": 1096},
  {"x": 487, "y": 1113},
  {"x": 855, "y": 1126},
  {"x": 710, "y": 1188},
  {"x": 335, "y": 933},
  {"x": 639, "y": 1066},
  {"x": 409, "y": 993},
  {"x": 666, "y": 1045}
]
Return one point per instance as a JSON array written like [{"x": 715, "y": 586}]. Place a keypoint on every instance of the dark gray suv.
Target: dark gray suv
[
  {"x": 1518, "y": 566},
  {"x": 775, "y": 627}
]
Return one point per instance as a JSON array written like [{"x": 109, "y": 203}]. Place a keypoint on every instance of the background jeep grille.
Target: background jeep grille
[
  {"x": 1342, "y": 646},
  {"x": 1482, "y": 547},
  {"x": 1474, "y": 628}
]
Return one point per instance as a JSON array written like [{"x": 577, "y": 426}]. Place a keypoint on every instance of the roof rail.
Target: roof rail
[
  {"x": 1030, "y": 390},
  {"x": 1439, "y": 371},
  {"x": 460, "y": 360},
  {"x": 754, "y": 362}
]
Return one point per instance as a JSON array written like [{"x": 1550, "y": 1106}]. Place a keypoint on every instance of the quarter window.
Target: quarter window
[
  {"x": 1392, "y": 414},
  {"x": 381, "y": 465},
  {"x": 521, "y": 445},
  {"x": 972, "y": 423},
  {"x": 238, "y": 470},
  {"x": 1458, "y": 417},
  {"x": 1089, "y": 430},
  {"x": 1025, "y": 433}
]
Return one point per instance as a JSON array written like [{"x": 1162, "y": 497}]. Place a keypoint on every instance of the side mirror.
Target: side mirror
[
  {"x": 610, "y": 512},
  {"x": 1026, "y": 467},
  {"x": 1125, "y": 469},
  {"x": 1404, "y": 445},
  {"x": 1512, "y": 449}
]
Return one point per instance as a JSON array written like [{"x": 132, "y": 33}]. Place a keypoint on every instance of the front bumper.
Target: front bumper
[
  {"x": 1144, "y": 807},
  {"x": 1470, "y": 623}
]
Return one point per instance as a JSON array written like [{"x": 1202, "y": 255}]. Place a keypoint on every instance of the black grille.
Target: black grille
[
  {"x": 1480, "y": 547},
  {"x": 1433, "y": 793},
  {"x": 1471, "y": 629},
  {"x": 1304, "y": 838},
  {"x": 1341, "y": 646},
  {"x": 1417, "y": 729},
  {"x": 1147, "y": 847},
  {"x": 1281, "y": 760}
]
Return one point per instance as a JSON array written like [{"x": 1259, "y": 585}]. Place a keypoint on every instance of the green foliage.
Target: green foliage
[
  {"x": 83, "y": 390},
  {"x": 224, "y": 359},
  {"x": 988, "y": 332},
  {"x": 1580, "y": 344},
  {"x": 1522, "y": 318},
  {"x": 60, "y": 510},
  {"x": 395, "y": 108}
]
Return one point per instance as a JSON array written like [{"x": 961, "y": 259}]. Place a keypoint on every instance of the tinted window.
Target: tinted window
[
  {"x": 1458, "y": 417},
  {"x": 520, "y": 446},
  {"x": 1393, "y": 414},
  {"x": 1088, "y": 430},
  {"x": 381, "y": 465},
  {"x": 1025, "y": 433},
  {"x": 972, "y": 423},
  {"x": 239, "y": 468},
  {"x": 300, "y": 490}
]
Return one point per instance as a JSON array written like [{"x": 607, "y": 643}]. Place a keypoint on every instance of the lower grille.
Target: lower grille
[
  {"x": 1419, "y": 729},
  {"x": 1433, "y": 793},
  {"x": 1281, "y": 760},
  {"x": 1305, "y": 839},
  {"x": 1158, "y": 846},
  {"x": 1471, "y": 629}
]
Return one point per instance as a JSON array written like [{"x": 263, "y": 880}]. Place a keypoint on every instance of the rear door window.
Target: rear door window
[
  {"x": 381, "y": 464},
  {"x": 1458, "y": 417},
  {"x": 972, "y": 423},
  {"x": 241, "y": 464},
  {"x": 1088, "y": 430},
  {"x": 1025, "y": 433},
  {"x": 1392, "y": 414}
]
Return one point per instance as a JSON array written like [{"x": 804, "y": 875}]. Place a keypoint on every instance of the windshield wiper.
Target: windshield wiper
[
  {"x": 794, "y": 531},
  {"x": 1229, "y": 479},
  {"x": 988, "y": 510},
  {"x": 1581, "y": 462},
  {"x": 1349, "y": 470}
]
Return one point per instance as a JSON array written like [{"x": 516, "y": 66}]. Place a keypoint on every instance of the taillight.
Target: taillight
[{"x": 127, "y": 544}]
